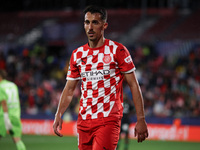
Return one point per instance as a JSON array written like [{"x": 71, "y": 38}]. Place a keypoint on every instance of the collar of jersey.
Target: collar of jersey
[{"x": 97, "y": 48}]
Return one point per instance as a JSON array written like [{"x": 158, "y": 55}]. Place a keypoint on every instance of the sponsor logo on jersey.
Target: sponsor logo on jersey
[
  {"x": 128, "y": 59},
  {"x": 95, "y": 75}
]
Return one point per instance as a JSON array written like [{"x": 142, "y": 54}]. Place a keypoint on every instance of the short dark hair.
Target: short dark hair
[
  {"x": 3, "y": 74},
  {"x": 96, "y": 9}
]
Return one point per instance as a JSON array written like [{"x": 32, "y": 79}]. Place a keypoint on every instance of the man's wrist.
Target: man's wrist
[
  {"x": 58, "y": 114},
  {"x": 140, "y": 117}
]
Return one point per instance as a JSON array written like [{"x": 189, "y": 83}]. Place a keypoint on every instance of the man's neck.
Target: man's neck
[{"x": 95, "y": 44}]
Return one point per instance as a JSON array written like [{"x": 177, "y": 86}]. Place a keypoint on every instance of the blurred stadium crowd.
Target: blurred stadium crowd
[
  {"x": 169, "y": 88},
  {"x": 35, "y": 48}
]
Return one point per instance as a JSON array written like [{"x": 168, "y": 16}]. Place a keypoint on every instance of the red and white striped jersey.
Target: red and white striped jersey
[{"x": 101, "y": 71}]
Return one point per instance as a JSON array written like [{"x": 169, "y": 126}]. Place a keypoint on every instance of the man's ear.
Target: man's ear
[{"x": 105, "y": 25}]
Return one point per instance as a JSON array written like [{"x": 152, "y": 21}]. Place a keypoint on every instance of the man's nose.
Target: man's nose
[{"x": 90, "y": 26}]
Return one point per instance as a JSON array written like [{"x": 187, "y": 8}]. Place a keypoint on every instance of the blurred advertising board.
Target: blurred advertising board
[
  {"x": 45, "y": 127},
  {"x": 174, "y": 132}
]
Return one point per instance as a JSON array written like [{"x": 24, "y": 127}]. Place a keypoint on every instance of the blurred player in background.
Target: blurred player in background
[
  {"x": 128, "y": 110},
  {"x": 101, "y": 65},
  {"x": 10, "y": 111}
]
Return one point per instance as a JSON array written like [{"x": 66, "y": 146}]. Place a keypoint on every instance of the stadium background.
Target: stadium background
[{"x": 163, "y": 37}]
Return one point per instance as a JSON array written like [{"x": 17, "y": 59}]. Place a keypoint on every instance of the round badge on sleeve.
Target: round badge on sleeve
[{"x": 107, "y": 59}]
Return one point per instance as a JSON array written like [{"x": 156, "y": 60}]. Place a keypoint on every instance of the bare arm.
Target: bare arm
[
  {"x": 141, "y": 130},
  {"x": 64, "y": 102},
  {"x": 4, "y": 106}
]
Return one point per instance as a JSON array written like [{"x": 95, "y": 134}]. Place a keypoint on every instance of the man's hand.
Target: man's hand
[
  {"x": 57, "y": 123},
  {"x": 7, "y": 121},
  {"x": 141, "y": 130}
]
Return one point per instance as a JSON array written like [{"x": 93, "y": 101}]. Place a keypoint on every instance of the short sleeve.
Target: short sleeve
[
  {"x": 124, "y": 60},
  {"x": 73, "y": 71}
]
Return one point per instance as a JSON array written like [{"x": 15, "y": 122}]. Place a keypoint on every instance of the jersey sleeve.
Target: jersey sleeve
[
  {"x": 73, "y": 71},
  {"x": 124, "y": 60}
]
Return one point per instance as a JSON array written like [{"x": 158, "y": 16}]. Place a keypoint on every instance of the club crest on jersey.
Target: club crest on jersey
[{"x": 107, "y": 59}]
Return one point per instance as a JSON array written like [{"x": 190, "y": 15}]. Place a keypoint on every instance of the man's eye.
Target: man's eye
[
  {"x": 87, "y": 22},
  {"x": 95, "y": 22}
]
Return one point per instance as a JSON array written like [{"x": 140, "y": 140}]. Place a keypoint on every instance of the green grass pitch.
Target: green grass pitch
[{"x": 37, "y": 142}]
